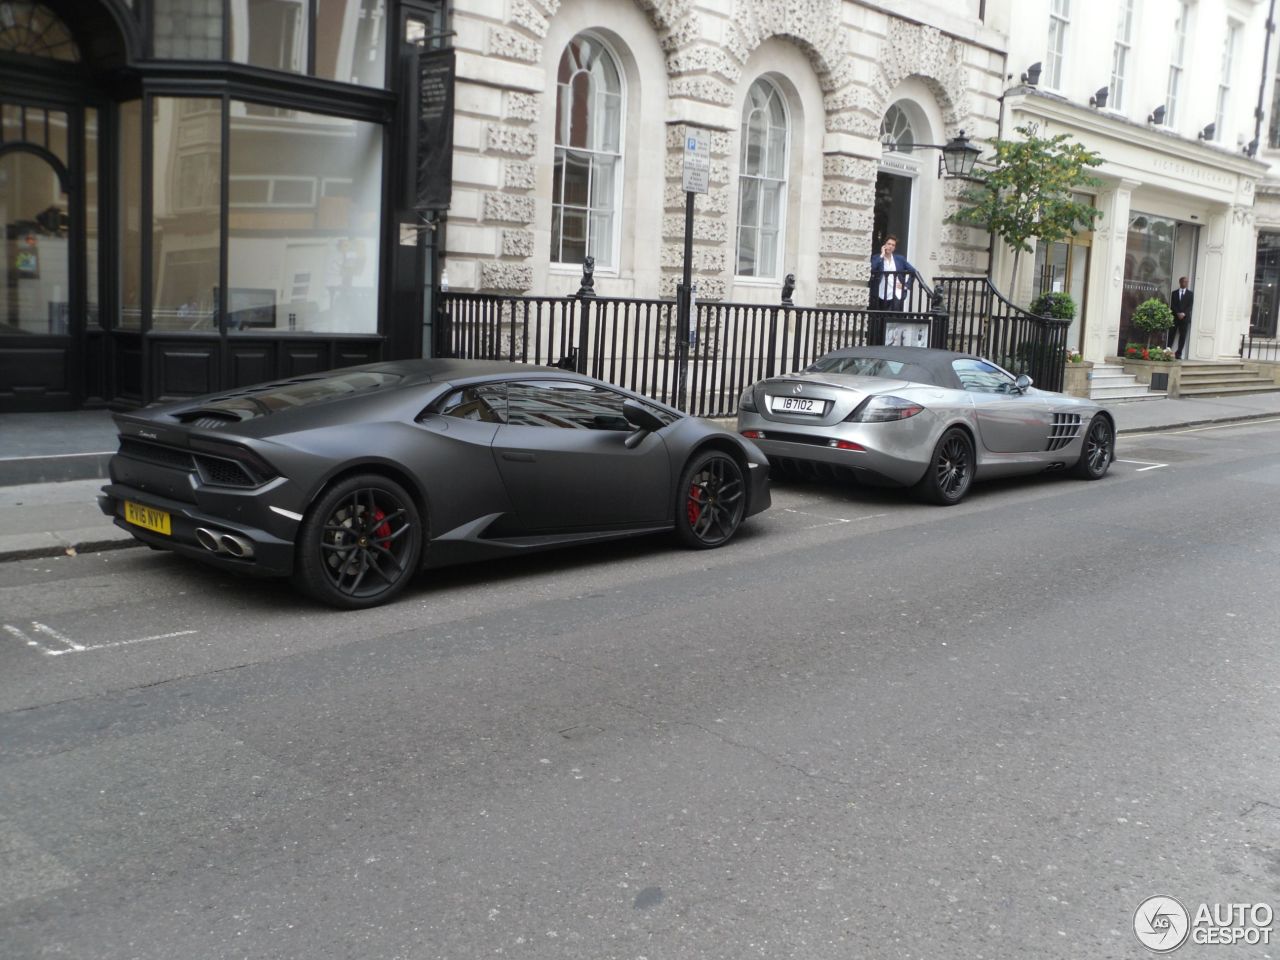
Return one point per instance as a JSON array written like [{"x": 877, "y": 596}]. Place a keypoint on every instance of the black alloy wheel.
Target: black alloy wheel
[
  {"x": 359, "y": 544},
  {"x": 1098, "y": 451},
  {"x": 711, "y": 500},
  {"x": 950, "y": 470}
]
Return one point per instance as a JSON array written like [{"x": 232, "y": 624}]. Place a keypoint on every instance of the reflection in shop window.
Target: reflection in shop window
[
  {"x": 350, "y": 41},
  {"x": 93, "y": 317},
  {"x": 187, "y": 29},
  {"x": 305, "y": 204},
  {"x": 270, "y": 33},
  {"x": 130, "y": 224},
  {"x": 186, "y": 213}
]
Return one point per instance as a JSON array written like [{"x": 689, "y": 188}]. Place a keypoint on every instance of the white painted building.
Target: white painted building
[{"x": 571, "y": 116}]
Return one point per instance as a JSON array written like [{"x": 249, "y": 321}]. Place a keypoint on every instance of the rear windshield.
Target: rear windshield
[
  {"x": 299, "y": 393},
  {"x": 858, "y": 366}
]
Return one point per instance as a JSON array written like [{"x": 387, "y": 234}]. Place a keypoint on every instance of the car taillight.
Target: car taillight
[
  {"x": 753, "y": 434},
  {"x": 846, "y": 445},
  {"x": 883, "y": 409},
  {"x": 748, "y": 401}
]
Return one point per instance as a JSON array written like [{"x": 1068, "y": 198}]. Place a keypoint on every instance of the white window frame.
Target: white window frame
[
  {"x": 783, "y": 186},
  {"x": 1176, "y": 62},
  {"x": 611, "y": 267},
  {"x": 1056, "y": 55},
  {"x": 1120, "y": 53},
  {"x": 1230, "y": 44}
]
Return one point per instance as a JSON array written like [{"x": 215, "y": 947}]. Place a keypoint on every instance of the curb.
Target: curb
[
  {"x": 66, "y": 549},
  {"x": 1211, "y": 421}
]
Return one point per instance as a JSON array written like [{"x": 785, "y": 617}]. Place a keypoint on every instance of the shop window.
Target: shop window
[
  {"x": 350, "y": 41},
  {"x": 305, "y": 199},
  {"x": 270, "y": 33},
  {"x": 1266, "y": 286},
  {"x": 130, "y": 223},
  {"x": 588, "y": 158},
  {"x": 762, "y": 181},
  {"x": 186, "y": 207}
]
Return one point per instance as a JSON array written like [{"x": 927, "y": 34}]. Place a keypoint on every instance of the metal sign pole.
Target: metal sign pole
[{"x": 696, "y": 175}]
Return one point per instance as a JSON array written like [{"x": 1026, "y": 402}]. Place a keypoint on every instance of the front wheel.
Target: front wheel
[
  {"x": 1098, "y": 451},
  {"x": 950, "y": 470},
  {"x": 711, "y": 500},
  {"x": 359, "y": 543}
]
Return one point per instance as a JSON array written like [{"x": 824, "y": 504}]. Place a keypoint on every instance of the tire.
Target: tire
[
  {"x": 359, "y": 543},
  {"x": 711, "y": 500},
  {"x": 1098, "y": 450},
  {"x": 950, "y": 471}
]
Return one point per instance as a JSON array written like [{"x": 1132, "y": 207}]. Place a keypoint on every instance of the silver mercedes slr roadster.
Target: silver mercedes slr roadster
[{"x": 932, "y": 420}]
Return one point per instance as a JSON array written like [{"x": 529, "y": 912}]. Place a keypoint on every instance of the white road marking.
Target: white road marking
[
  {"x": 1150, "y": 465},
  {"x": 50, "y": 632},
  {"x": 123, "y": 643},
  {"x": 71, "y": 646},
  {"x": 827, "y": 517},
  {"x": 18, "y": 634}
]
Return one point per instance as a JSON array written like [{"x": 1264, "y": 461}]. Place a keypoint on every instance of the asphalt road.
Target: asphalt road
[{"x": 866, "y": 728}]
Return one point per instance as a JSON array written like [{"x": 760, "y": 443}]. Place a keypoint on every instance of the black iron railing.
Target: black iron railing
[
  {"x": 636, "y": 344},
  {"x": 1256, "y": 347},
  {"x": 983, "y": 322}
]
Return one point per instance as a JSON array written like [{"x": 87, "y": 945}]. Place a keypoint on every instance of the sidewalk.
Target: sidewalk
[{"x": 52, "y": 464}]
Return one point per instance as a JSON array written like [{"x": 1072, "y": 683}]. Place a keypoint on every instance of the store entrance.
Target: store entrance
[{"x": 41, "y": 304}]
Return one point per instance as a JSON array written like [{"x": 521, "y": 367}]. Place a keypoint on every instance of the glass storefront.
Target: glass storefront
[
  {"x": 1158, "y": 252},
  {"x": 1266, "y": 286},
  {"x": 34, "y": 277},
  {"x": 304, "y": 213}
]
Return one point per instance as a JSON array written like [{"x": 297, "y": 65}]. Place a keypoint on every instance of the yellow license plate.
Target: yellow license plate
[{"x": 148, "y": 517}]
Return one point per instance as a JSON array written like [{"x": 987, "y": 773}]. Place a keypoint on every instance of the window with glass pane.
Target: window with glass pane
[
  {"x": 186, "y": 210},
  {"x": 270, "y": 33},
  {"x": 896, "y": 134},
  {"x": 130, "y": 224},
  {"x": 588, "y": 159},
  {"x": 1059, "y": 20},
  {"x": 1176, "y": 65},
  {"x": 93, "y": 317},
  {"x": 305, "y": 199},
  {"x": 1120, "y": 54},
  {"x": 187, "y": 29},
  {"x": 351, "y": 41},
  {"x": 762, "y": 181},
  {"x": 1224, "y": 81},
  {"x": 561, "y": 403}
]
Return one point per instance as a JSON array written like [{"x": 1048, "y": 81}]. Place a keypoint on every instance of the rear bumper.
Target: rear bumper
[
  {"x": 759, "y": 498},
  {"x": 271, "y": 555},
  {"x": 894, "y": 453}
]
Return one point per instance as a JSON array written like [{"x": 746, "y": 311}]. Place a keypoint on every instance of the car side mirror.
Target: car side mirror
[
  {"x": 1023, "y": 383},
  {"x": 643, "y": 419}
]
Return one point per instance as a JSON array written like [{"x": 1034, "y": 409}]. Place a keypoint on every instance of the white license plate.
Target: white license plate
[{"x": 804, "y": 405}]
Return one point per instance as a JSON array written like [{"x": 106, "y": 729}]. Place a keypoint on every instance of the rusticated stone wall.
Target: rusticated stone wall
[{"x": 859, "y": 53}]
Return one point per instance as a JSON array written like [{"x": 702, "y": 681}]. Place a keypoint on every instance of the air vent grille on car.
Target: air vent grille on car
[
  {"x": 224, "y": 473},
  {"x": 161, "y": 456},
  {"x": 1066, "y": 427}
]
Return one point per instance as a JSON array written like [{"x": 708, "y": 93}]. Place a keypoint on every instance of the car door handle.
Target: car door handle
[{"x": 519, "y": 457}]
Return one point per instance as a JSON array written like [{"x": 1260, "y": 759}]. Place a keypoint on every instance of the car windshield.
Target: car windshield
[{"x": 858, "y": 366}]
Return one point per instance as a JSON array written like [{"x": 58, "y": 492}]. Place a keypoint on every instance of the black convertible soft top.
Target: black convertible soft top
[{"x": 919, "y": 364}]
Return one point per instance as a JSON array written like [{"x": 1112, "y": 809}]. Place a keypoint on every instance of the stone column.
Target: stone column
[{"x": 1106, "y": 271}]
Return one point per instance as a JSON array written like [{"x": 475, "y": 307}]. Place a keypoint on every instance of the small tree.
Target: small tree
[
  {"x": 1027, "y": 194},
  {"x": 1054, "y": 304},
  {"x": 1152, "y": 316}
]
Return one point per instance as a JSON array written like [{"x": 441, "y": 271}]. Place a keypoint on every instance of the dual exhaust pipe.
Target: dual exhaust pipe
[{"x": 218, "y": 541}]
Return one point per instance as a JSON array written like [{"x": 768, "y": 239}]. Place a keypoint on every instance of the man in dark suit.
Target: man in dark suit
[
  {"x": 891, "y": 277},
  {"x": 1180, "y": 302}
]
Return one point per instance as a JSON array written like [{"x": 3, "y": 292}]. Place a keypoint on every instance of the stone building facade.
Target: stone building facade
[{"x": 837, "y": 69}]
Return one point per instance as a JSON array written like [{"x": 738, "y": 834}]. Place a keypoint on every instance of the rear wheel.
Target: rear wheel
[
  {"x": 359, "y": 543},
  {"x": 1098, "y": 451},
  {"x": 710, "y": 500},
  {"x": 950, "y": 471}
]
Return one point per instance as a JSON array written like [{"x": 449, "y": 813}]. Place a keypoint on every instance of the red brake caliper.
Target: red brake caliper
[
  {"x": 694, "y": 508},
  {"x": 383, "y": 531}
]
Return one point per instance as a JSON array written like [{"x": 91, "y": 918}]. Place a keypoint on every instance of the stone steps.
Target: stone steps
[
  {"x": 1110, "y": 382},
  {"x": 1199, "y": 378}
]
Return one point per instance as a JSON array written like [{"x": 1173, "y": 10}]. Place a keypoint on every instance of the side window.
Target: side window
[
  {"x": 486, "y": 403},
  {"x": 982, "y": 377},
  {"x": 565, "y": 404}
]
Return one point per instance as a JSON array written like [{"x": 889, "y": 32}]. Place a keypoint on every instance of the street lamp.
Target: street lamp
[{"x": 958, "y": 157}]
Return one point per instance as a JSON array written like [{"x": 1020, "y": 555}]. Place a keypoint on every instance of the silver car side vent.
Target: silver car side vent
[{"x": 1066, "y": 427}]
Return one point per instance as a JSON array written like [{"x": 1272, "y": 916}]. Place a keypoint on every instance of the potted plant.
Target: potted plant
[
  {"x": 1152, "y": 316},
  {"x": 1054, "y": 304}
]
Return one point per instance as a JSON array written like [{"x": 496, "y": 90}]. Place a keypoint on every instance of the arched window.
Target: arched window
[
  {"x": 762, "y": 181},
  {"x": 895, "y": 130},
  {"x": 34, "y": 29},
  {"x": 585, "y": 199}
]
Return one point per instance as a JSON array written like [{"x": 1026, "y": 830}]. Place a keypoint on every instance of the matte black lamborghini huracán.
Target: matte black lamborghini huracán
[{"x": 352, "y": 480}]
